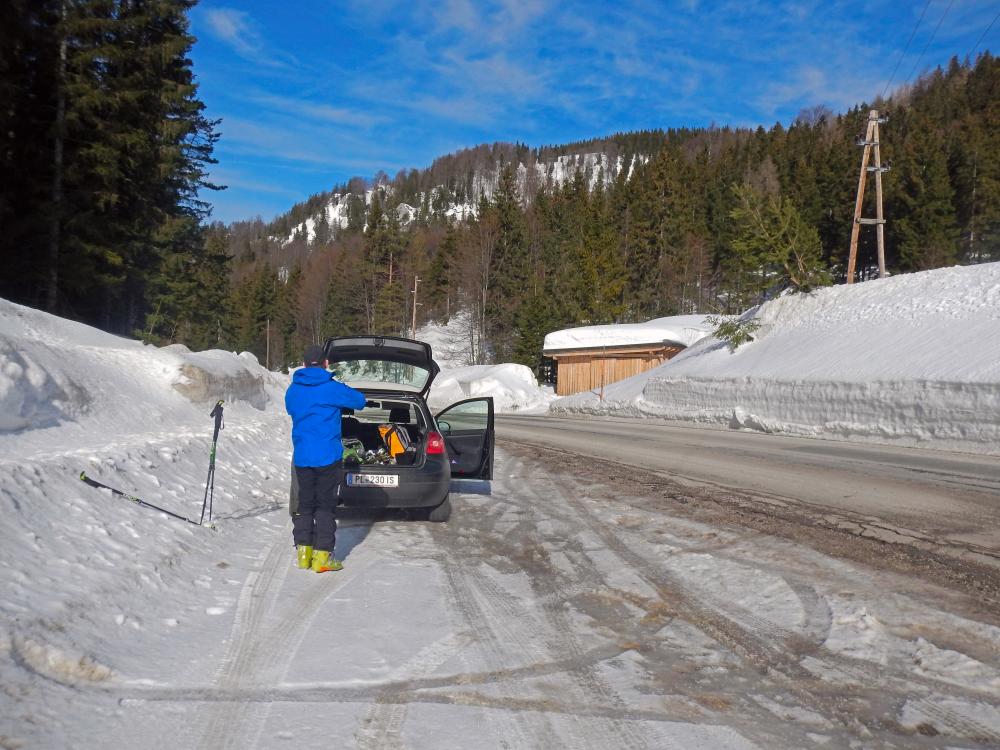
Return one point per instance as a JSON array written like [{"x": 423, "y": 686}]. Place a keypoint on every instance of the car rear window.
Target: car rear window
[{"x": 376, "y": 373}]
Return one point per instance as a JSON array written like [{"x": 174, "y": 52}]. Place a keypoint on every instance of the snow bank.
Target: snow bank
[
  {"x": 54, "y": 372},
  {"x": 678, "y": 329},
  {"x": 912, "y": 359},
  {"x": 87, "y": 575},
  {"x": 513, "y": 388}
]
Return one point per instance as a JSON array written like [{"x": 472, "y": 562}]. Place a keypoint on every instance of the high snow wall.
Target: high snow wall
[{"x": 912, "y": 360}]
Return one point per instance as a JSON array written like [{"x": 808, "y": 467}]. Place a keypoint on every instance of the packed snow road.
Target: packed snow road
[
  {"x": 563, "y": 605},
  {"x": 946, "y": 502}
]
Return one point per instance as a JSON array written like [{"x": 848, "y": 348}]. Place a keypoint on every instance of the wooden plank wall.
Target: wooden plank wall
[{"x": 588, "y": 371}]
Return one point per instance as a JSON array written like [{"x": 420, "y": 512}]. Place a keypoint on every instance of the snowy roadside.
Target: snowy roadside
[
  {"x": 545, "y": 614},
  {"x": 909, "y": 360},
  {"x": 85, "y": 573},
  {"x": 559, "y": 608}
]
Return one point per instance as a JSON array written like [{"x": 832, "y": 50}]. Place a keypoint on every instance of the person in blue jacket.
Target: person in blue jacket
[{"x": 314, "y": 400}]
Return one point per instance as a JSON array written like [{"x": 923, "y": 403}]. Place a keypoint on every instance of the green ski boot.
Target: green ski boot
[
  {"x": 323, "y": 563},
  {"x": 304, "y": 556}
]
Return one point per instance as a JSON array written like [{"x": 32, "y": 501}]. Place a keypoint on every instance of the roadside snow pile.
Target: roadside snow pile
[
  {"x": 513, "y": 388},
  {"x": 913, "y": 359},
  {"x": 680, "y": 329},
  {"x": 54, "y": 371},
  {"x": 86, "y": 575}
]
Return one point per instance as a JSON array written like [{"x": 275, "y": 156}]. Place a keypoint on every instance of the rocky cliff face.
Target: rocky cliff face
[{"x": 458, "y": 196}]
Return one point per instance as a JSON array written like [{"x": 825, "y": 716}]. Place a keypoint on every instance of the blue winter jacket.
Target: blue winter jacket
[{"x": 314, "y": 400}]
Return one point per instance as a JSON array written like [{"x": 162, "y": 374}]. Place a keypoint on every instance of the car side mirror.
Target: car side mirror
[{"x": 445, "y": 427}]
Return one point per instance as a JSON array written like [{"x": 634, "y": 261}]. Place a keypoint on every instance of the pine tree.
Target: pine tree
[
  {"x": 442, "y": 275},
  {"x": 510, "y": 265},
  {"x": 191, "y": 293},
  {"x": 110, "y": 146},
  {"x": 345, "y": 312},
  {"x": 665, "y": 216},
  {"x": 773, "y": 246},
  {"x": 926, "y": 229}
]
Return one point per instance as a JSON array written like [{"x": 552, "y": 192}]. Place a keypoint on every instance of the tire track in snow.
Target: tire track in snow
[
  {"x": 382, "y": 727},
  {"x": 485, "y": 615},
  {"x": 259, "y": 653},
  {"x": 751, "y": 635},
  {"x": 553, "y": 593}
]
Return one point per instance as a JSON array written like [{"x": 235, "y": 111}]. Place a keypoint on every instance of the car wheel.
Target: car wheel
[{"x": 441, "y": 512}]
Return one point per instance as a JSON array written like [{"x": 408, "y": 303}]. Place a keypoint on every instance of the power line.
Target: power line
[
  {"x": 926, "y": 46},
  {"x": 907, "y": 47},
  {"x": 970, "y": 53}
]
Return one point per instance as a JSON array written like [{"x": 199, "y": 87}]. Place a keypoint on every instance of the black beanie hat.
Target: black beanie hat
[{"x": 313, "y": 356}]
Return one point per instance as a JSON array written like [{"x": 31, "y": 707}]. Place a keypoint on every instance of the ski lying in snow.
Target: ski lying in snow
[{"x": 138, "y": 501}]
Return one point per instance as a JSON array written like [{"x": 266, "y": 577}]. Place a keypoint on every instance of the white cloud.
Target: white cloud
[
  {"x": 308, "y": 111},
  {"x": 234, "y": 28},
  {"x": 237, "y": 30},
  {"x": 809, "y": 85}
]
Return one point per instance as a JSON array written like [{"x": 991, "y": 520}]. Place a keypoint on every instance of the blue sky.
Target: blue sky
[{"x": 311, "y": 92}]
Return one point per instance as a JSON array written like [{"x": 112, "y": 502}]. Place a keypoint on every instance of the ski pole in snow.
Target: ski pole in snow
[
  {"x": 210, "y": 481},
  {"x": 138, "y": 501}
]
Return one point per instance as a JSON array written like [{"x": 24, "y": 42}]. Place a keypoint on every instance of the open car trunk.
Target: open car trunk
[{"x": 382, "y": 431}]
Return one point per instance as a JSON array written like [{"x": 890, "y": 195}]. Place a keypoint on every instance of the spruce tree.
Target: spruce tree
[
  {"x": 107, "y": 149},
  {"x": 510, "y": 266},
  {"x": 926, "y": 230}
]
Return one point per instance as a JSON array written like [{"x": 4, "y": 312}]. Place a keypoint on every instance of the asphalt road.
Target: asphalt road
[{"x": 951, "y": 497}]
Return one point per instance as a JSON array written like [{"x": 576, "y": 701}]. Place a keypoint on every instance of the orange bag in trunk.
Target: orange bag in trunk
[{"x": 396, "y": 439}]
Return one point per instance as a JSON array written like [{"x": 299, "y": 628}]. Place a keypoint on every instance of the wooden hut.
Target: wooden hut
[{"x": 591, "y": 358}]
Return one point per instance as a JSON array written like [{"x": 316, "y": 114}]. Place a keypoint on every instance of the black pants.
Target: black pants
[{"x": 315, "y": 520}]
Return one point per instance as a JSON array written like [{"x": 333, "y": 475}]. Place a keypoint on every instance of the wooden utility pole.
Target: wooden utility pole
[
  {"x": 871, "y": 145},
  {"x": 413, "y": 320}
]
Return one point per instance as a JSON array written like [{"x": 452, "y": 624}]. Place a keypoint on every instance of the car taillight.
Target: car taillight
[{"x": 435, "y": 444}]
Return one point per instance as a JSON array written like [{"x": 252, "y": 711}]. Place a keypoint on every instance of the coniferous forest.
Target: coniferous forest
[
  {"x": 715, "y": 220},
  {"x": 106, "y": 146}
]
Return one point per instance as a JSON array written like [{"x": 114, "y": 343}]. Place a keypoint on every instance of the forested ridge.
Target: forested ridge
[
  {"x": 105, "y": 149},
  {"x": 715, "y": 220}
]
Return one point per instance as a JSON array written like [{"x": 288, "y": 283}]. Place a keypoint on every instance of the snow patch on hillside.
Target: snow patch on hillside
[
  {"x": 912, "y": 359},
  {"x": 451, "y": 340},
  {"x": 596, "y": 168}
]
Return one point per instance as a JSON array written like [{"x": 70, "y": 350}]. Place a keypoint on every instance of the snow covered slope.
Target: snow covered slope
[
  {"x": 594, "y": 167},
  {"x": 913, "y": 359},
  {"x": 450, "y": 342},
  {"x": 83, "y": 572},
  {"x": 513, "y": 387}
]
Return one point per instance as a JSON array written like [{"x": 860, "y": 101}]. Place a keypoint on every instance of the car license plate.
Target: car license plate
[{"x": 372, "y": 480}]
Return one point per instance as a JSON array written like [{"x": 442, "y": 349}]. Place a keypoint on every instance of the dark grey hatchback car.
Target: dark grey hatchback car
[{"x": 395, "y": 374}]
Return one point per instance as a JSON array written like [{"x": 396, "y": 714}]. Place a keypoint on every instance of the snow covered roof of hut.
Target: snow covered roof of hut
[{"x": 678, "y": 329}]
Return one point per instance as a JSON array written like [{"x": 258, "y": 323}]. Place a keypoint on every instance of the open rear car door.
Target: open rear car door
[{"x": 467, "y": 428}]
